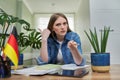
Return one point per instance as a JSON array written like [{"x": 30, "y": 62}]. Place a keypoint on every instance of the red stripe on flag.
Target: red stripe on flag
[{"x": 13, "y": 42}]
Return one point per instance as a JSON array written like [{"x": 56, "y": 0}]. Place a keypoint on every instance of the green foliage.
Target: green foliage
[
  {"x": 33, "y": 39},
  {"x": 99, "y": 46},
  {"x": 7, "y": 21}
]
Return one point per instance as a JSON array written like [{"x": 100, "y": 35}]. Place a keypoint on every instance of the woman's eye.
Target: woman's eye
[
  {"x": 58, "y": 24},
  {"x": 65, "y": 23}
]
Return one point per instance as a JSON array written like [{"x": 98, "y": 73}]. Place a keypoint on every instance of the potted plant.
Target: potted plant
[
  {"x": 31, "y": 39},
  {"x": 6, "y": 22},
  {"x": 100, "y": 60}
]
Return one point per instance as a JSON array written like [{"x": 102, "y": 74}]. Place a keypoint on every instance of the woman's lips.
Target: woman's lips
[{"x": 63, "y": 31}]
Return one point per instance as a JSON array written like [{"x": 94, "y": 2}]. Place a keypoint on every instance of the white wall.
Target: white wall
[
  {"x": 107, "y": 12},
  {"x": 82, "y": 22},
  {"x": 8, "y": 8}
]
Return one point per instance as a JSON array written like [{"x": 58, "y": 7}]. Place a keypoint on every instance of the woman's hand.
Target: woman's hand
[
  {"x": 45, "y": 33},
  {"x": 72, "y": 45},
  {"x": 44, "y": 51}
]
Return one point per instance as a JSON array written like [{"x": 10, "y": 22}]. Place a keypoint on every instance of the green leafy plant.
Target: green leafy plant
[
  {"x": 7, "y": 21},
  {"x": 99, "y": 46},
  {"x": 33, "y": 39}
]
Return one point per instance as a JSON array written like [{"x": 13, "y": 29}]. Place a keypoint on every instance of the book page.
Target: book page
[
  {"x": 38, "y": 70},
  {"x": 48, "y": 67}
]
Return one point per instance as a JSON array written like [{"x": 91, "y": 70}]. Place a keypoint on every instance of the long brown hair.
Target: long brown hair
[{"x": 52, "y": 20}]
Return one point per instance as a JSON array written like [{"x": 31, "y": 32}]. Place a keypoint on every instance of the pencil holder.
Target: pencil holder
[{"x": 5, "y": 67}]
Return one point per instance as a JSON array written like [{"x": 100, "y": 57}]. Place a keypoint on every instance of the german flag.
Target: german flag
[{"x": 11, "y": 48}]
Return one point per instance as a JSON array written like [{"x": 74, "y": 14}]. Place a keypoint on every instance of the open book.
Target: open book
[
  {"x": 47, "y": 69},
  {"x": 38, "y": 69}
]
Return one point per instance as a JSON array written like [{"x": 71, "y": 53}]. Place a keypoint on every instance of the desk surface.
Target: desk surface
[{"x": 114, "y": 74}]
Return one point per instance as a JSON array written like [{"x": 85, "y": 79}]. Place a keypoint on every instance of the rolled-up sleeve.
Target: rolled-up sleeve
[
  {"x": 40, "y": 61},
  {"x": 83, "y": 62}
]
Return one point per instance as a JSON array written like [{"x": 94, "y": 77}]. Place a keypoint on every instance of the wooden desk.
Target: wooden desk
[{"x": 114, "y": 74}]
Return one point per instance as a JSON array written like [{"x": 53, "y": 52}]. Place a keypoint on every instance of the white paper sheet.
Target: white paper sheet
[{"x": 72, "y": 67}]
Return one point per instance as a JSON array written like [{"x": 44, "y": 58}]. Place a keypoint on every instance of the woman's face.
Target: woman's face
[{"x": 60, "y": 27}]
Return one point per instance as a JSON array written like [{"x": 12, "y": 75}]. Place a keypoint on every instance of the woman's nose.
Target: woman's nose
[{"x": 62, "y": 25}]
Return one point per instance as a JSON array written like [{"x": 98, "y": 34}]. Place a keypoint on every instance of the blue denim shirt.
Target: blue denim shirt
[{"x": 53, "y": 47}]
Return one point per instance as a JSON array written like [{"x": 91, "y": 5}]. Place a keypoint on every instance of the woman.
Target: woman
[{"x": 59, "y": 44}]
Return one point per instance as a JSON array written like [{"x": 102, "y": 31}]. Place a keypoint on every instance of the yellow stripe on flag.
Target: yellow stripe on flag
[{"x": 10, "y": 52}]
